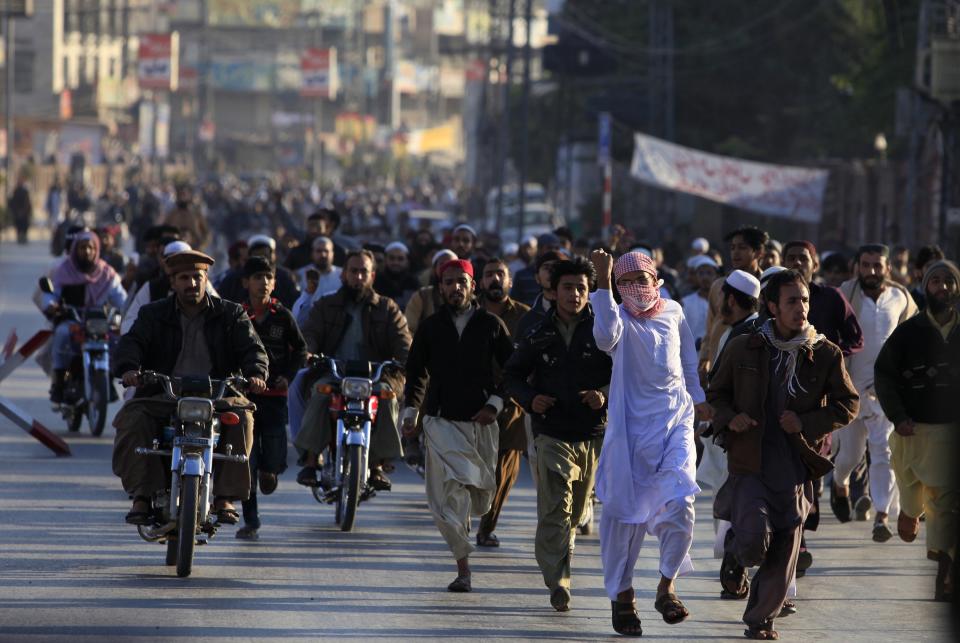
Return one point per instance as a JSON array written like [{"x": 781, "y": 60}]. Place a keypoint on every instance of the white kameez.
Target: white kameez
[{"x": 648, "y": 457}]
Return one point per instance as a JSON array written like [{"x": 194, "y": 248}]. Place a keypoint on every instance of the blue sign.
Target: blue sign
[{"x": 603, "y": 138}]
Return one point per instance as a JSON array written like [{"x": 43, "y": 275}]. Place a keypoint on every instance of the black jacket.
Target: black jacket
[
  {"x": 280, "y": 336},
  {"x": 459, "y": 369},
  {"x": 543, "y": 364},
  {"x": 917, "y": 373},
  {"x": 154, "y": 342},
  {"x": 533, "y": 317}
]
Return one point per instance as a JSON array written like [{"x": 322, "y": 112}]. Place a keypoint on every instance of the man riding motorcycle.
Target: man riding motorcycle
[
  {"x": 354, "y": 323},
  {"x": 85, "y": 281},
  {"x": 189, "y": 333}
]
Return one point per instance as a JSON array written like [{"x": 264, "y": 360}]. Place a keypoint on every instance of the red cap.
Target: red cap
[{"x": 462, "y": 264}]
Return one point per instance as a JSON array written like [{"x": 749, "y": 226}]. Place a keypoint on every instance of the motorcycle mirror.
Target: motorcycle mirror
[
  {"x": 46, "y": 285},
  {"x": 229, "y": 418}
]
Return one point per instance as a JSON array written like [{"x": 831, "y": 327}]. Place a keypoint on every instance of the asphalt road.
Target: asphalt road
[{"x": 71, "y": 568}]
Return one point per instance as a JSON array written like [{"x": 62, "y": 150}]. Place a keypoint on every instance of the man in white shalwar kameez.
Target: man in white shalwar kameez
[{"x": 646, "y": 478}]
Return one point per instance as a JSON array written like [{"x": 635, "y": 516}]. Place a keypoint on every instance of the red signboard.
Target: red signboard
[
  {"x": 158, "y": 61},
  {"x": 318, "y": 68}
]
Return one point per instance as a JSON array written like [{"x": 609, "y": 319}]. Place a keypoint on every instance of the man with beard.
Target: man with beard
[
  {"x": 396, "y": 281},
  {"x": 463, "y": 241},
  {"x": 776, "y": 394},
  {"x": 881, "y": 305},
  {"x": 187, "y": 334},
  {"x": 918, "y": 387},
  {"x": 85, "y": 281},
  {"x": 746, "y": 250},
  {"x": 428, "y": 299},
  {"x": 452, "y": 380},
  {"x": 495, "y": 298},
  {"x": 354, "y": 323},
  {"x": 322, "y": 272}
]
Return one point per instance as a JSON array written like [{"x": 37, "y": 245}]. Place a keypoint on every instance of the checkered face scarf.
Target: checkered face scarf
[{"x": 642, "y": 302}]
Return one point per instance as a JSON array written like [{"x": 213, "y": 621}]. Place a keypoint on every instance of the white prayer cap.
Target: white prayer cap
[
  {"x": 744, "y": 282},
  {"x": 510, "y": 248},
  {"x": 468, "y": 228},
  {"x": 769, "y": 272},
  {"x": 261, "y": 240},
  {"x": 700, "y": 245},
  {"x": 397, "y": 245},
  {"x": 444, "y": 255},
  {"x": 701, "y": 260},
  {"x": 529, "y": 240},
  {"x": 174, "y": 247}
]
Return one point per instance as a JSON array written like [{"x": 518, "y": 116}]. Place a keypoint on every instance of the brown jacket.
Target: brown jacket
[
  {"x": 740, "y": 385},
  {"x": 384, "y": 329}
]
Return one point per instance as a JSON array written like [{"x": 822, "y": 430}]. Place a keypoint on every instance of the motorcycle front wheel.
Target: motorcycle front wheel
[
  {"x": 350, "y": 490},
  {"x": 187, "y": 529},
  {"x": 99, "y": 398}
]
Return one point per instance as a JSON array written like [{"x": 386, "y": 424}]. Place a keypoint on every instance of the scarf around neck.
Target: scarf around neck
[{"x": 789, "y": 351}]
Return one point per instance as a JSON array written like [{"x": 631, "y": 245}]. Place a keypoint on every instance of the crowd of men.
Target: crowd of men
[{"x": 622, "y": 380}]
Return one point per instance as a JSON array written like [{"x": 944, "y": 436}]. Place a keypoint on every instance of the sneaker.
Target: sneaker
[
  {"x": 268, "y": 482},
  {"x": 862, "y": 508},
  {"x": 881, "y": 532},
  {"x": 247, "y": 533}
]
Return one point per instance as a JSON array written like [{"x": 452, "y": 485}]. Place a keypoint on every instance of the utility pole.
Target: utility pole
[
  {"x": 525, "y": 111},
  {"x": 8, "y": 103},
  {"x": 504, "y": 126}
]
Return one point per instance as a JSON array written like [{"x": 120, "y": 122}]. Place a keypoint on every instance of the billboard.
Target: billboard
[
  {"x": 278, "y": 14},
  {"x": 158, "y": 61},
  {"x": 318, "y": 69}
]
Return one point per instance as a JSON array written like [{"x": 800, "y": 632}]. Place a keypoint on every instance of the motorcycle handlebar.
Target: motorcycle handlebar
[
  {"x": 331, "y": 363},
  {"x": 152, "y": 377}
]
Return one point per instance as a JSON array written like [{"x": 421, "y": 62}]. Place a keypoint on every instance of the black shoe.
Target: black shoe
[
  {"x": 840, "y": 505},
  {"x": 379, "y": 480},
  {"x": 56, "y": 386},
  {"x": 862, "y": 508},
  {"x": 268, "y": 482},
  {"x": 560, "y": 599}
]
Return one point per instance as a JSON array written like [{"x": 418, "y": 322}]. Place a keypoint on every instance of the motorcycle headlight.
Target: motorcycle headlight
[
  {"x": 194, "y": 409},
  {"x": 97, "y": 326},
  {"x": 356, "y": 387}
]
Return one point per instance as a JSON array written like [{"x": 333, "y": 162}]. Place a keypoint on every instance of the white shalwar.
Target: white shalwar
[
  {"x": 646, "y": 477},
  {"x": 871, "y": 429}
]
